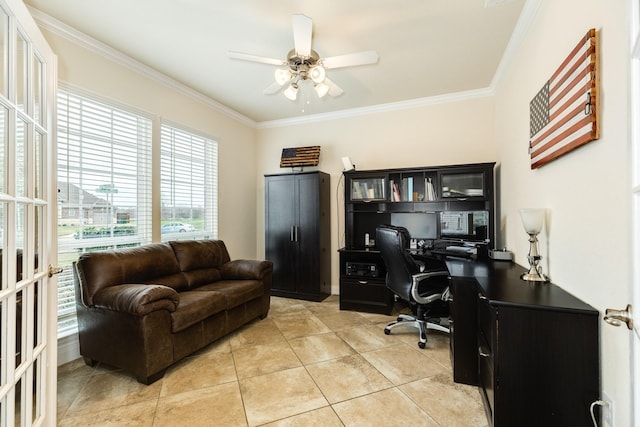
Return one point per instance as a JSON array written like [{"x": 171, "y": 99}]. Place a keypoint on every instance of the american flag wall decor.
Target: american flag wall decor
[
  {"x": 564, "y": 114},
  {"x": 300, "y": 156}
]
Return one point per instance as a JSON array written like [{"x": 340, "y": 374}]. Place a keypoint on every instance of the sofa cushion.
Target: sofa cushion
[
  {"x": 236, "y": 292},
  {"x": 194, "y": 307},
  {"x": 200, "y": 260},
  {"x": 142, "y": 264}
]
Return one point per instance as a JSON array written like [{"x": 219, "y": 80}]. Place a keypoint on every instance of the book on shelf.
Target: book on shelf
[
  {"x": 395, "y": 191},
  {"x": 429, "y": 189}
]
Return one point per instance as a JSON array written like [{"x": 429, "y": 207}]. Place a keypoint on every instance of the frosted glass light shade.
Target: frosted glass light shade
[
  {"x": 282, "y": 76},
  {"x": 321, "y": 89},
  {"x": 291, "y": 93},
  {"x": 317, "y": 74},
  {"x": 532, "y": 220}
]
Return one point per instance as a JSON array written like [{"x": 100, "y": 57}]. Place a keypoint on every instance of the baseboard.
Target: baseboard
[{"x": 68, "y": 349}]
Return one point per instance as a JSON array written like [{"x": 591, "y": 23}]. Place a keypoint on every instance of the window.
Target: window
[
  {"x": 188, "y": 188},
  {"x": 104, "y": 186}
]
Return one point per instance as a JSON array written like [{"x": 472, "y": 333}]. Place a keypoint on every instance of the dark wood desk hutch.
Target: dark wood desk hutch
[
  {"x": 531, "y": 348},
  {"x": 455, "y": 202}
]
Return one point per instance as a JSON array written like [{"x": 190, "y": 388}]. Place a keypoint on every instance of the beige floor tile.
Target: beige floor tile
[
  {"x": 367, "y": 338},
  {"x": 279, "y": 395},
  {"x": 198, "y": 372},
  {"x": 384, "y": 408},
  {"x": 135, "y": 415},
  {"x": 68, "y": 389},
  {"x": 264, "y": 359},
  {"x": 318, "y": 348},
  {"x": 280, "y": 306},
  {"x": 338, "y": 320},
  {"x": 300, "y": 324},
  {"x": 347, "y": 377},
  {"x": 219, "y": 405},
  {"x": 112, "y": 390},
  {"x": 323, "y": 417},
  {"x": 402, "y": 363},
  {"x": 258, "y": 332},
  {"x": 450, "y": 404},
  {"x": 75, "y": 368}
]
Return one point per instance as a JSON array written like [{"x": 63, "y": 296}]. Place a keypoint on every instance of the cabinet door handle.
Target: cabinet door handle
[
  {"x": 482, "y": 297},
  {"x": 291, "y": 236},
  {"x": 482, "y": 352},
  {"x": 295, "y": 233},
  {"x": 363, "y": 282}
]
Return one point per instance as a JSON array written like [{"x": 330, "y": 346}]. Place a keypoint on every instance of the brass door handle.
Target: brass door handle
[
  {"x": 618, "y": 317},
  {"x": 54, "y": 270}
]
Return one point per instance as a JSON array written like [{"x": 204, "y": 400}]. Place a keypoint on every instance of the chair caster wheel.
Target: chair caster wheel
[
  {"x": 387, "y": 331},
  {"x": 422, "y": 344}
]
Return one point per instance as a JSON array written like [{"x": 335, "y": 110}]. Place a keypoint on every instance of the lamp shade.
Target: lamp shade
[
  {"x": 532, "y": 220},
  {"x": 317, "y": 74},
  {"x": 282, "y": 76},
  {"x": 291, "y": 92},
  {"x": 321, "y": 89}
]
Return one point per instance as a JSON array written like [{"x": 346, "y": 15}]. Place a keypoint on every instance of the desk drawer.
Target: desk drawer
[{"x": 365, "y": 294}]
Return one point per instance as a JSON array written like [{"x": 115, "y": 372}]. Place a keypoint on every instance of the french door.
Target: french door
[
  {"x": 28, "y": 296},
  {"x": 635, "y": 203}
]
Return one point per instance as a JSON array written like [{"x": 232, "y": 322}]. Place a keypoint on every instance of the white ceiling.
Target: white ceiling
[{"x": 427, "y": 48}]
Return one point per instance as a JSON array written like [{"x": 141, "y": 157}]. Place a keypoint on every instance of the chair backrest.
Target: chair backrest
[{"x": 393, "y": 242}]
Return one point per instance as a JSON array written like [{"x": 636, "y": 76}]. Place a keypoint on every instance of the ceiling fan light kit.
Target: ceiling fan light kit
[{"x": 303, "y": 64}]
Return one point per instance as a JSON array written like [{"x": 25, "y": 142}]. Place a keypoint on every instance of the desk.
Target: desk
[{"x": 532, "y": 348}]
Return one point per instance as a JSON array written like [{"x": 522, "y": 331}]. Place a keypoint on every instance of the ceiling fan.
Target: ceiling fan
[{"x": 303, "y": 64}]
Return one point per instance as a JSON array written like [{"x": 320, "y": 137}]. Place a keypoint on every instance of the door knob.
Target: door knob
[
  {"x": 617, "y": 317},
  {"x": 54, "y": 270}
]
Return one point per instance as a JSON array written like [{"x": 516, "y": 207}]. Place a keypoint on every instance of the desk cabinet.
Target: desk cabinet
[
  {"x": 534, "y": 348},
  {"x": 361, "y": 288}
]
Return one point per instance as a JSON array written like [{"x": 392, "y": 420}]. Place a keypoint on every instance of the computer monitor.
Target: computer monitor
[
  {"x": 466, "y": 225},
  {"x": 420, "y": 225}
]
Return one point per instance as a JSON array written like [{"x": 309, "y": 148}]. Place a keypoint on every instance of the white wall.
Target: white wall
[
  {"x": 439, "y": 134},
  {"x": 84, "y": 69},
  {"x": 586, "y": 247}
]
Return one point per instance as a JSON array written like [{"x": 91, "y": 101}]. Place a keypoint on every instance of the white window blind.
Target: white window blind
[
  {"x": 188, "y": 188},
  {"x": 104, "y": 186}
]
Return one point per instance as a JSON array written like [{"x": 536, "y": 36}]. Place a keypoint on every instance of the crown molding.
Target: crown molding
[
  {"x": 61, "y": 29},
  {"x": 380, "y": 108}
]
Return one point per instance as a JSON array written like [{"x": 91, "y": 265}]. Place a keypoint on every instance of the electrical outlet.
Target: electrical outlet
[{"x": 607, "y": 410}]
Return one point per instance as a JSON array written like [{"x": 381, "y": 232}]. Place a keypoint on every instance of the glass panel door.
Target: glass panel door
[{"x": 27, "y": 226}]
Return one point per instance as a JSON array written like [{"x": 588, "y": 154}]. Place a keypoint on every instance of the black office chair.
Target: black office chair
[{"x": 425, "y": 289}]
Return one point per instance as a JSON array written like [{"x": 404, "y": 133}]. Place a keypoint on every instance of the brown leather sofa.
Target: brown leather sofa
[{"x": 144, "y": 308}]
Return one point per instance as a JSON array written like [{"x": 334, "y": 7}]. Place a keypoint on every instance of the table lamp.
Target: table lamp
[{"x": 532, "y": 220}]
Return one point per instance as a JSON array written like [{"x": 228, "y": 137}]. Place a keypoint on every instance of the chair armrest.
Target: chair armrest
[
  {"x": 417, "y": 278},
  {"x": 137, "y": 299},
  {"x": 246, "y": 269}
]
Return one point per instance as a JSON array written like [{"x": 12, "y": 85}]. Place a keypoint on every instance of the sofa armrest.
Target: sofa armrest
[
  {"x": 246, "y": 269},
  {"x": 137, "y": 299}
]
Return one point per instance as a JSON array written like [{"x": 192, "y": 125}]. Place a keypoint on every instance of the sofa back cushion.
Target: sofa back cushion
[
  {"x": 200, "y": 260},
  {"x": 153, "y": 264}
]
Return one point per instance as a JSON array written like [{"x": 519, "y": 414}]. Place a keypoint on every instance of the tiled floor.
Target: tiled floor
[{"x": 306, "y": 364}]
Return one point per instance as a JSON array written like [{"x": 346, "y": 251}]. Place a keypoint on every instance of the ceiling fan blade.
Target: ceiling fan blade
[
  {"x": 254, "y": 58},
  {"x": 273, "y": 88},
  {"x": 351, "y": 59},
  {"x": 302, "y": 29},
  {"x": 334, "y": 89}
]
